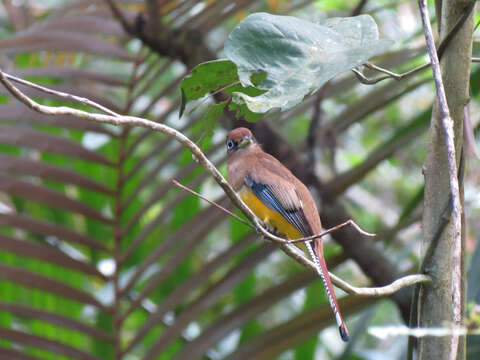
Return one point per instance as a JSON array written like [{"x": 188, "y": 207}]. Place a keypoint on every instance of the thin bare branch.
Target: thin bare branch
[
  {"x": 381, "y": 291},
  {"x": 120, "y": 16},
  {"x": 61, "y": 94},
  {"x": 212, "y": 203},
  {"x": 271, "y": 236},
  {"x": 394, "y": 75},
  {"x": 441, "y": 48},
  {"x": 363, "y": 291},
  {"x": 447, "y": 125},
  {"x": 200, "y": 157},
  {"x": 332, "y": 229},
  {"x": 389, "y": 74}
]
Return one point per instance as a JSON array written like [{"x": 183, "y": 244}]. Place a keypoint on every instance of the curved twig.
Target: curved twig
[
  {"x": 62, "y": 94},
  {"x": 271, "y": 236},
  {"x": 441, "y": 48}
]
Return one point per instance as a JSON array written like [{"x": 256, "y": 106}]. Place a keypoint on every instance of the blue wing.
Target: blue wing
[{"x": 292, "y": 213}]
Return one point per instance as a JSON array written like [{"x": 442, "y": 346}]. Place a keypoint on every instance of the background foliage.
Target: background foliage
[{"x": 102, "y": 257}]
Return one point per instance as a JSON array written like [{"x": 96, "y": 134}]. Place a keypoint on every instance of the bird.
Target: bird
[{"x": 280, "y": 200}]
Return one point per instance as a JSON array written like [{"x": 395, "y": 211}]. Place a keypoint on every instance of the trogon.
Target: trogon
[{"x": 280, "y": 200}]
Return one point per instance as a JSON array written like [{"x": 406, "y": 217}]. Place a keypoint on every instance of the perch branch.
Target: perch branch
[
  {"x": 447, "y": 125},
  {"x": 284, "y": 245},
  {"x": 207, "y": 165},
  {"x": 332, "y": 229},
  {"x": 212, "y": 203},
  {"x": 269, "y": 235}
]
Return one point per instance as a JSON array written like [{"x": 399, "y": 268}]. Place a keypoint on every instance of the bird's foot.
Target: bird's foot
[{"x": 270, "y": 229}]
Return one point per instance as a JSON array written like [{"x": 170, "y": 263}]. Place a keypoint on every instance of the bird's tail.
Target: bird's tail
[{"x": 317, "y": 256}]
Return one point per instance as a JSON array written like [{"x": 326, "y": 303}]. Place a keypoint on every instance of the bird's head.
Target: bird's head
[{"x": 239, "y": 138}]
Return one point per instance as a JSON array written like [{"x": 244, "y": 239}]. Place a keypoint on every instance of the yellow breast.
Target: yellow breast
[{"x": 270, "y": 217}]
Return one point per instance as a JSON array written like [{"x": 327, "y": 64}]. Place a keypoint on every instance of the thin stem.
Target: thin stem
[
  {"x": 61, "y": 94},
  {"x": 272, "y": 236},
  {"x": 332, "y": 229},
  {"x": 441, "y": 48},
  {"x": 212, "y": 203}
]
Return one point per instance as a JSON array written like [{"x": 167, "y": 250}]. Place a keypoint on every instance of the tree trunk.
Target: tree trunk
[{"x": 435, "y": 302}]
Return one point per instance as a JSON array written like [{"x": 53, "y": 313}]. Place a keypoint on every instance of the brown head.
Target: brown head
[{"x": 238, "y": 139}]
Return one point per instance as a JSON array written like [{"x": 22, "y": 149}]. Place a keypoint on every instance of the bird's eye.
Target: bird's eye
[{"x": 230, "y": 144}]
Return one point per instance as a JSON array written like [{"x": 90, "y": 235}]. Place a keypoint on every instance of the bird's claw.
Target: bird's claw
[{"x": 270, "y": 229}]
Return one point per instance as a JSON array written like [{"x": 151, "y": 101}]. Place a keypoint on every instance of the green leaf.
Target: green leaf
[
  {"x": 218, "y": 75},
  {"x": 298, "y": 56},
  {"x": 242, "y": 109},
  {"x": 207, "y": 77},
  {"x": 209, "y": 123}
]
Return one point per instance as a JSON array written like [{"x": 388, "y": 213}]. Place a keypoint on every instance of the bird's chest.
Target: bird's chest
[{"x": 270, "y": 217}]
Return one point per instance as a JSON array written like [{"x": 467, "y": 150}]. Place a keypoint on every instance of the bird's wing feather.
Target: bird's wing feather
[{"x": 279, "y": 196}]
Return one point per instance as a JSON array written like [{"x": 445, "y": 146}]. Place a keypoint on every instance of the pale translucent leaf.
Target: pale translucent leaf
[{"x": 298, "y": 56}]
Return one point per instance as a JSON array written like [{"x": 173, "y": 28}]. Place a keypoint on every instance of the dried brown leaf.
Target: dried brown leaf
[
  {"x": 43, "y": 195},
  {"x": 29, "y": 279},
  {"x": 62, "y": 41},
  {"x": 72, "y": 73},
  {"x": 23, "y": 338},
  {"x": 182, "y": 291},
  {"x": 18, "y": 113},
  {"x": 53, "y": 318},
  {"x": 29, "y": 138},
  {"x": 36, "y": 226},
  {"x": 19, "y": 165},
  {"x": 208, "y": 298},
  {"x": 47, "y": 253}
]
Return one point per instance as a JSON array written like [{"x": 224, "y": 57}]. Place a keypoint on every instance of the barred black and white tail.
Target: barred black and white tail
[{"x": 323, "y": 272}]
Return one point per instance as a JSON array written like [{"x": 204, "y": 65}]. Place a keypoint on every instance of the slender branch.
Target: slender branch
[
  {"x": 332, "y": 229},
  {"x": 182, "y": 44},
  {"x": 359, "y": 8},
  {"x": 120, "y": 17},
  {"x": 390, "y": 75},
  {"x": 381, "y": 291},
  {"x": 212, "y": 203},
  {"x": 447, "y": 125},
  {"x": 61, "y": 94},
  {"x": 441, "y": 49},
  {"x": 271, "y": 236},
  {"x": 361, "y": 291},
  {"x": 207, "y": 165}
]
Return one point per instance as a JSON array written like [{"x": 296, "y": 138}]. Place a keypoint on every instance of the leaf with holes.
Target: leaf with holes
[
  {"x": 298, "y": 56},
  {"x": 219, "y": 76}
]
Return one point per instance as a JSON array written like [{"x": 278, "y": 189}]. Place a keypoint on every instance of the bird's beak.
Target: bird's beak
[{"x": 245, "y": 141}]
